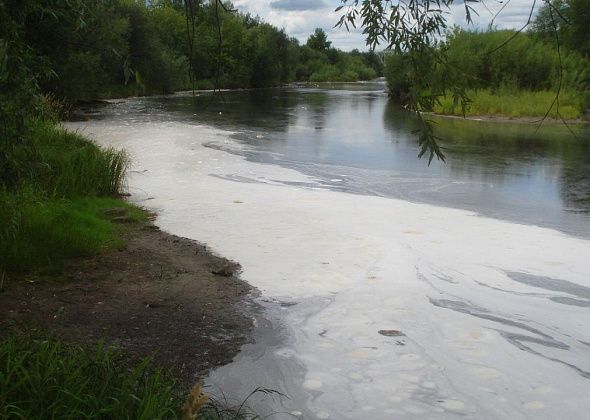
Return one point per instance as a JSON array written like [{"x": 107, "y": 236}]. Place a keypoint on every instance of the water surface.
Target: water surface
[
  {"x": 377, "y": 303},
  {"x": 354, "y": 139}
]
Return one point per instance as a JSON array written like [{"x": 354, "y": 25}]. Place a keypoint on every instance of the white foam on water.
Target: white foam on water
[{"x": 402, "y": 310}]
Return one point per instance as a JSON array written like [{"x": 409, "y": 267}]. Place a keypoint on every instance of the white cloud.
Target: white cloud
[
  {"x": 506, "y": 14},
  {"x": 300, "y": 23},
  {"x": 297, "y": 4}
]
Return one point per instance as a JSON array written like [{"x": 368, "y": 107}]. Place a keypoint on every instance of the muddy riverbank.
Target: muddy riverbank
[{"x": 158, "y": 295}]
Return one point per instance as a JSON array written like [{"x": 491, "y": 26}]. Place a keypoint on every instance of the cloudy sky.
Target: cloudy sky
[{"x": 300, "y": 17}]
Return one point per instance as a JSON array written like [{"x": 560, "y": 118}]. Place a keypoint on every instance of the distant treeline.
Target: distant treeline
[
  {"x": 83, "y": 50},
  {"x": 554, "y": 55}
]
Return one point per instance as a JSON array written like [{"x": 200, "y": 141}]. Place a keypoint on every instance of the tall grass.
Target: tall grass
[
  {"x": 71, "y": 166},
  {"x": 58, "y": 163},
  {"x": 516, "y": 103},
  {"x": 201, "y": 406},
  {"x": 48, "y": 379},
  {"x": 51, "y": 200}
]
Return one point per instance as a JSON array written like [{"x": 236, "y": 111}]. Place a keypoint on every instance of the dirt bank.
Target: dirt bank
[{"x": 159, "y": 294}]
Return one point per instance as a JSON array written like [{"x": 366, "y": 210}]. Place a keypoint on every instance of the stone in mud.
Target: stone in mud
[
  {"x": 225, "y": 268},
  {"x": 391, "y": 333}
]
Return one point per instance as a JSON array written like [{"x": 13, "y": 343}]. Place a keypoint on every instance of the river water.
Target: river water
[{"x": 388, "y": 288}]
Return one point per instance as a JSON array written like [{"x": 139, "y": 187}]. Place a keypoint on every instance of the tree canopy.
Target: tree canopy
[
  {"x": 319, "y": 40},
  {"x": 567, "y": 21}
]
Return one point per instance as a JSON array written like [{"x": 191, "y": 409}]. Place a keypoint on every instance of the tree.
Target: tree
[
  {"x": 569, "y": 20},
  {"x": 319, "y": 40},
  {"x": 578, "y": 32},
  {"x": 551, "y": 15}
]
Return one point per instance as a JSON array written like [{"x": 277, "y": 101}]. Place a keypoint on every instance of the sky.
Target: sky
[{"x": 299, "y": 18}]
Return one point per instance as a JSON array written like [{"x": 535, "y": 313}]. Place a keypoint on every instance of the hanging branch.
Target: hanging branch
[
  {"x": 555, "y": 102},
  {"x": 190, "y": 33},
  {"x": 190, "y": 7},
  {"x": 412, "y": 27},
  {"x": 518, "y": 32},
  {"x": 218, "y": 4},
  {"x": 219, "y": 47}
]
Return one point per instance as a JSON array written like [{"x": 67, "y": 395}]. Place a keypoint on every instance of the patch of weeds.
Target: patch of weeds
[{"x": 49, "y": 379}]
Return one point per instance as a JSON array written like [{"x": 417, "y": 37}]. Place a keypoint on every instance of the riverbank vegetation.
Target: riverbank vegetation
[
  {"x": 54, "y": 188},
  {"x": 45, "y": 377},
  {"x": 57, "y": 188},
  {"x": 506, "y": 73},
  {"x": 516, "y": 103},
  {"x": 320, "y": 62},
  {"x": 90, "y": 50},
  {"x": 60, "y": 199},
  {"x": 49, "y": 379}
]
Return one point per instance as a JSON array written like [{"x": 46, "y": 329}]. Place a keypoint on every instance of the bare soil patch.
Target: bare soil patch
[{"x": 159, "y": 295}]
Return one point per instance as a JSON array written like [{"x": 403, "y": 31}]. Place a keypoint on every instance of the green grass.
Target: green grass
[
  {"x": 516, "y": 104},
  {"x": 70, "y": 165},
  {"x": 212, "y": 408},
  {"x": 48, "y": 379},
  {"x": 55, "y": 187},
  {"x": 45, "y": 378},
  {"x": 42, "y": 234},
  {"x": 59, "y": 163}
]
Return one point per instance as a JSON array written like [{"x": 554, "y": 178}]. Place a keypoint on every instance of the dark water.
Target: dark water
[{"x": 354, "y": 139}]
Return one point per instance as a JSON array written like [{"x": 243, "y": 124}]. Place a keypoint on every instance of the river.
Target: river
[{"x": 388, "y": 288}]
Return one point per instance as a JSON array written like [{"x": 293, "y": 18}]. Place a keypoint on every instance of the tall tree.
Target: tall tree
[
  {"x": 319, "y": 40},
  {"x": 578, "y": 33}
]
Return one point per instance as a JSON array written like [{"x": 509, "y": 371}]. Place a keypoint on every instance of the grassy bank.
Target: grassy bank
[
  {"x": 59, "y": 201},
  {"x": 42, "y": 233},
  {"x": 55, "y": 189},
  {"x": 516, "y": 104},
  {"x": 55, "y": 194}
]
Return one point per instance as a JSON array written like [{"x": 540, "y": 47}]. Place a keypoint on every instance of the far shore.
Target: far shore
[
  {"x": 506, "y": 119},
  {"x": 478, "y": 118}
]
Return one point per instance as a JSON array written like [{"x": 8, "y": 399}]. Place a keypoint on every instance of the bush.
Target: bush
[
  {"x": 503, "y": 74},
  {"x": 524, "y": 62}
]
